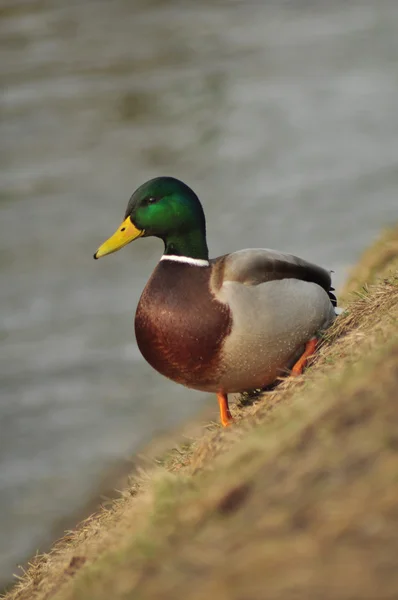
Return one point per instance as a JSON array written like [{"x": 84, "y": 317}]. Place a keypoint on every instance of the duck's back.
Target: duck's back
[{"x": 254, "y": 266}]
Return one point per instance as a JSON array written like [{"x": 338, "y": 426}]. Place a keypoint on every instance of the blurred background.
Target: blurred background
[{"x": 283, "y": 116}]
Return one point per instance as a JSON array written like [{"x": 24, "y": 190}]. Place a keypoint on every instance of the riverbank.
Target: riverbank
[{"x": 298, "y": 499}]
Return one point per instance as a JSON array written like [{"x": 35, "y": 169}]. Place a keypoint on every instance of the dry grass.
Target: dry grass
[
  {"x": 377, "y": 261},
  {"x": 298, "y": 500}
]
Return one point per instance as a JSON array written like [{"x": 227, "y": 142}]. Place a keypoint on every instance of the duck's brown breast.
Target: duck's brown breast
[{"x": 180, "y": 326}]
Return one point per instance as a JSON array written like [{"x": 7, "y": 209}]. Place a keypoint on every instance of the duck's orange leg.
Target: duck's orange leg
[
  {"x": 225, "y": 413},
  {"x": 310, "y": 348}
]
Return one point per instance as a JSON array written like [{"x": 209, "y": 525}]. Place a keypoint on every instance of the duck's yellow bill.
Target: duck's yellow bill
[{"x": 126, "y": 233}]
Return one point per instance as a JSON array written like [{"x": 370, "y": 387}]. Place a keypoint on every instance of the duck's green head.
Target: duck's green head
[{"x": 166, "y": 208}]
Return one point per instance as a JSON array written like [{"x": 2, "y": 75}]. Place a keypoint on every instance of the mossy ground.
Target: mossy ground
[{"x": 297, "y": 500}]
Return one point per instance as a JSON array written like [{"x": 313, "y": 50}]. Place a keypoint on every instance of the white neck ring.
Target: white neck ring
[{"x": 196, "y": 262}]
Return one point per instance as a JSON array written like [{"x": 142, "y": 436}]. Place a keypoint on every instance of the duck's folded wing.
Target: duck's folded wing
[{"x": 256, "y": 266}]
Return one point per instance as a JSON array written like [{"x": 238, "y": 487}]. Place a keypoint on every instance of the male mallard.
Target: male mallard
[{"x": 227, "y": 324}]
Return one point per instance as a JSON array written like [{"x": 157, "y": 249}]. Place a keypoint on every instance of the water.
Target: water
[{"x": 281, "y": 115}]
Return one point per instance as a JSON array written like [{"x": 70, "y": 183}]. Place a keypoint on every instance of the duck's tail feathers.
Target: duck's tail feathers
[
  {"x": 338, "y": 310},
  {"x": 332, "y": 297}
]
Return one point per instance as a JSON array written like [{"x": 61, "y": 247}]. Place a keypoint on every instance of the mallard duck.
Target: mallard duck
[{"x": 228, "y": 324}]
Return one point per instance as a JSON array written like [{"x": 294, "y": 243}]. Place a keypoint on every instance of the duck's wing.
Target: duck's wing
[{"x": 254, "y": 266}]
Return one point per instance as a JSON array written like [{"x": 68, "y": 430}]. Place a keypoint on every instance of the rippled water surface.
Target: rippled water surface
[{"x": 281, "y": 115}]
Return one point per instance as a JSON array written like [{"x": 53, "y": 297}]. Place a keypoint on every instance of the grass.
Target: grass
[{"x": 298, "y": 500}]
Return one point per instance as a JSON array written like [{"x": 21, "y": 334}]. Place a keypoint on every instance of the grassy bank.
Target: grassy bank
[{"x": 298, "y": 500}]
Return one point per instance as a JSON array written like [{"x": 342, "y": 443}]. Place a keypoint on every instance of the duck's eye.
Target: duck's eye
[{"x": 151, "y": 200}]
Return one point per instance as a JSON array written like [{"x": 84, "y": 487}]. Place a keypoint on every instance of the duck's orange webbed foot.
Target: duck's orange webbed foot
[
  {"x": 310, "y": 348},
  {"x": 225, "y": 413}
]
